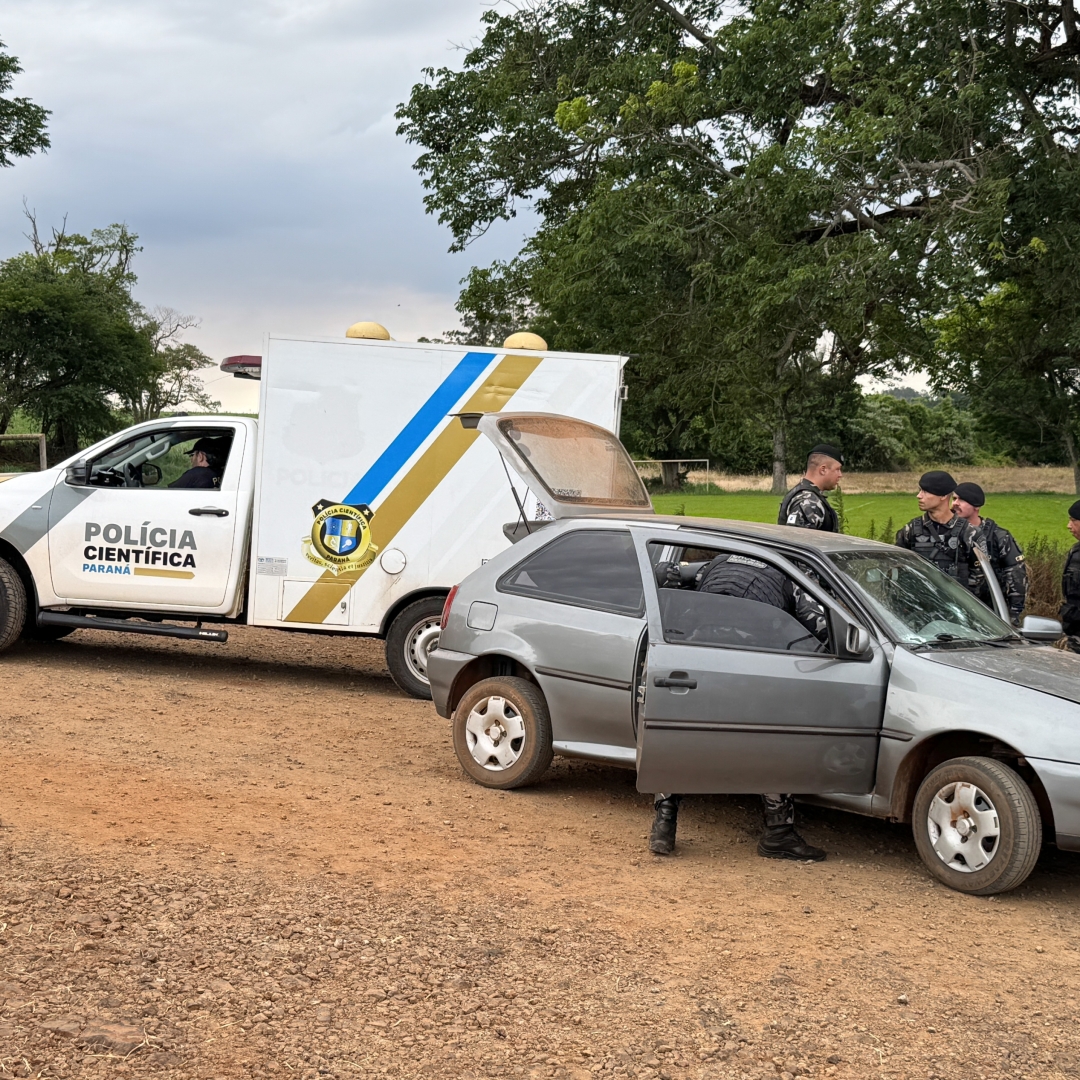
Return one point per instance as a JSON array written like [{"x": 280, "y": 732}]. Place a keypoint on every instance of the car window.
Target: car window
[
  {"x": 167, "y": 451},
  {"x": 718, "y": 598},
  {"x": 587, "y": 568}
]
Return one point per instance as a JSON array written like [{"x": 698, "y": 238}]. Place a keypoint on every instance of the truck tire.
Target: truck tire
[
  {"x": 977, "y": 826},
  {"x": 413, "y": 634},
  {"x": 502, "y": 733},
  {"x": 12, "y": 605}
]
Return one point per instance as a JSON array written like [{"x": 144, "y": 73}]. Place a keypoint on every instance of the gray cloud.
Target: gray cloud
[{"x": 251, "y": 145}]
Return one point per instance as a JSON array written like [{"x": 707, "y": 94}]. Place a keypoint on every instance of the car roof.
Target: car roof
[{"x": 789, "y": 535}]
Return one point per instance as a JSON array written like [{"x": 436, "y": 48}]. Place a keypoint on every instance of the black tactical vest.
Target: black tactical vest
[
  {"x": 831, "y": 522},
  {"x": 942, "y": 548}
]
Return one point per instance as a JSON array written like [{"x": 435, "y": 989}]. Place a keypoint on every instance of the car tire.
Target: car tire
[
  {"x": 12, "y": 605},
  {"x": 413, "y": 634},
  {"x": 977, "y": 826},
  {"x": 519, "y": 751}
]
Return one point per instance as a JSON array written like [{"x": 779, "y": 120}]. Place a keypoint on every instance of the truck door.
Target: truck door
[
  {"x": 142, "y": 542},
  {"x": 742, "y": 696}
]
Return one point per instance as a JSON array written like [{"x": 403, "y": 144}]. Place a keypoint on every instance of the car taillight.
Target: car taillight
[{"x": 447, "y": 606}]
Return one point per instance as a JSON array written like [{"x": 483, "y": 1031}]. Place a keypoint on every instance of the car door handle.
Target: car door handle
[
  {"x": 676, "y": 678},
  {"x": 209, "y": 511}
]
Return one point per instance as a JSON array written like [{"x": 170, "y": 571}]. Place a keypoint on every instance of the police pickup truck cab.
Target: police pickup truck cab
[{"x": 351, "y": 506}]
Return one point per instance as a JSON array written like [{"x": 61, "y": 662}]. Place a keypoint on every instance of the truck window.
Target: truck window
[{"x": 159, "y": 459}]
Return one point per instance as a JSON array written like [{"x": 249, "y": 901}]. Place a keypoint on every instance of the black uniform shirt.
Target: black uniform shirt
[
  {"x": 949, "y": 546},
  {"x": 1070, "y": 591},
  {"x": 805, "y": 507},
  {"x": 198, "y": 476}
]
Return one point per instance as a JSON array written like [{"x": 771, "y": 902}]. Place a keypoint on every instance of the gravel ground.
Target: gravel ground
[{"x": 262, "y": 860}]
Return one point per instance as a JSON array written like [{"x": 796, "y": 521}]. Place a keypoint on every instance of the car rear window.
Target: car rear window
[{"x": 587, "y": 568}]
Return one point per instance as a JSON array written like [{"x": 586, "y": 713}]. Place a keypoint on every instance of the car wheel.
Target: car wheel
[
  {"x": 12, "y": 605},
  {"x": 413, "y": 634},
  {"x": 977, "y": 826},
  {"x": 502, "y": 733}
]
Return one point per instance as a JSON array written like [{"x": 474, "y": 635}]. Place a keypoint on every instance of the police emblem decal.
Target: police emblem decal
[{"x": 340, "y": 537}]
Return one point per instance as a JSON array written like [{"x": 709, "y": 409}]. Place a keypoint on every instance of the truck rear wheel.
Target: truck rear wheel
[
  {"x": 12, "y": 605},
  {"x": 413, "y": 634}
]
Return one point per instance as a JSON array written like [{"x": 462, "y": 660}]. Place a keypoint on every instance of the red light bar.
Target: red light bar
[{"x": 243, "y": 367}]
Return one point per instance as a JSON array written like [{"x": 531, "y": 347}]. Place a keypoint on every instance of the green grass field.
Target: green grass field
[{"x": 1025, "y": 516}]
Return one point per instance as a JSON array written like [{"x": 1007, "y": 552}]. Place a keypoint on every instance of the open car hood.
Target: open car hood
[{"x": 575, "y": 468}]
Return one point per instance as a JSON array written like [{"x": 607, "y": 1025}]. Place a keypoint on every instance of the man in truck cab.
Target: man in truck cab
[{"x": 208, "y": 457}]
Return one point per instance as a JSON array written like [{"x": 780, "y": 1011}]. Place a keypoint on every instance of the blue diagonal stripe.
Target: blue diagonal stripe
[{"x": 413, "y": 434}]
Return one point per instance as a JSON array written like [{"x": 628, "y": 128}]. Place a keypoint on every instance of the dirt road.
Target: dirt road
[{"x": 262, "y": 860}]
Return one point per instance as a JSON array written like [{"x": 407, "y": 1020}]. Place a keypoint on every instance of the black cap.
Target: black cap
[
  {"x": 937, "y": 483},
  {"x": 1074, "y": 510},
  {"x": 829, "y": 451},
  {"x": 207, "y": 446},
  {"x": 971, "y": 493}
]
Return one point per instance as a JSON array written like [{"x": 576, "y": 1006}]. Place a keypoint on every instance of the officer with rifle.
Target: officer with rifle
[
  {"x": 946, "y": 540},
  {"x": 1005, "y": 554}
]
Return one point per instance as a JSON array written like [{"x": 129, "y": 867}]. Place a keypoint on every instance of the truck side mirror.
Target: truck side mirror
[
  {"x": 150, "y": 474},
  {"x": 77, "y": 474},
  {"x": 1036, "y": 628}
]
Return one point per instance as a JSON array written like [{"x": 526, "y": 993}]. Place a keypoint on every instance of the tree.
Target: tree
[
  {"x": 70, "y": 335},
  {"x": 172, "y": 378},
  {"x": 22, "y": 123},
  {"x": 761, "y": 206}
]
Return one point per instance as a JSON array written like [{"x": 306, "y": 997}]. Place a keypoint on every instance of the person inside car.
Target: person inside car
[
  {"x": 208, "y": 457},
  {"x": 752, "y": 579}
]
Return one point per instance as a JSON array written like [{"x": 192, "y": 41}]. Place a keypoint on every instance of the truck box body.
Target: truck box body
[{"x": 370, "y": 426}]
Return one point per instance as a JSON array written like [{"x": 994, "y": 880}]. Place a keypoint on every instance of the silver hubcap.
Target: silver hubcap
[
  {"x": 963, "y": 827},
  {"x": 495, "y": 734},
  {"x": 423, "y": 637}
]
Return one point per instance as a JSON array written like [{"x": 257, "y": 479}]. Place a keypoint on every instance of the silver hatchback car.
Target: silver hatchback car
[{"x": 906, "y": 698}]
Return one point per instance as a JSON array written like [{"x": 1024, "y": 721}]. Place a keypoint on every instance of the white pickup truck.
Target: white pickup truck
[{"x": 351, "y": 506}]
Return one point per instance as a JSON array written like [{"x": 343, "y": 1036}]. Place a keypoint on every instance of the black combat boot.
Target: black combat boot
[
  {"x": 783, "y": 842},
  {"x": 662, "y": 836}
]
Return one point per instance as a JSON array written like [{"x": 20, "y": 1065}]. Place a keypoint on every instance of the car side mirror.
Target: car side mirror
[
  {"x": 150, "y": 474},
  {"x": 852, "y": 640},
  {"x": 1037, "y": 628},
  {"x": 856, "y": 641},
  {"x": 77, "y": 474}
]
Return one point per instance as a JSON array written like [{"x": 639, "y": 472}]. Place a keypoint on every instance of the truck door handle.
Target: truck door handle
[
  {"x": 209, "y": 511},
  {"x": 676, "y": 678}
]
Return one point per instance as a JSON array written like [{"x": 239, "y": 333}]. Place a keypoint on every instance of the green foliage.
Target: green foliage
[
  {"x": 762, "y": 204},
  {"x": 1045, "y": 562},
  {"x": 22, "y": 123}
]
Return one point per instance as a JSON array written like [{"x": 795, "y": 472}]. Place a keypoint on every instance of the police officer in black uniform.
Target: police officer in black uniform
[
  {"x": 806, "y": 505},
  {"x": 752, "y": 579},
  {"x": 1005, "y": 554},
  {"x": 948, "y": 541},
  {"x": 1070, "y": 584},
  {"x": 208, "y": 458}
]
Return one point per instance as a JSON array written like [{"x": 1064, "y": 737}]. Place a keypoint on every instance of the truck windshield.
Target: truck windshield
[{"x": 918, "y": 604}]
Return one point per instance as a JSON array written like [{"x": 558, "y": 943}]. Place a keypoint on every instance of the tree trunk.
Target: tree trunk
[
  {"x": 670, "y": 476},
  {"x": 779, "y": 453},
  {"x": 1070, "y": 449}
]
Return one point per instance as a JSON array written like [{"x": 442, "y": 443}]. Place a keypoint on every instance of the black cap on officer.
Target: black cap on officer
[
  {"x": 1074, "y": 510},
  {"x": 937, "y": 483},
  {"x": 971, "y": 493},
  {"x": 828, "y": 451}
]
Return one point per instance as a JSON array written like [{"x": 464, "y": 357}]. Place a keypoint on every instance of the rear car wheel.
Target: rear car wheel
[
  {"x": 977, "y": 826},
  {"x": 502, "y": 733},
  {"x": 413, "y": 634},
  {"x": 12, "y": 605}
]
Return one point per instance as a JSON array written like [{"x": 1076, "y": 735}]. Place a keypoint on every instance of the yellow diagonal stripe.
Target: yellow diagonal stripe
[{"x": 418, "y": 483}]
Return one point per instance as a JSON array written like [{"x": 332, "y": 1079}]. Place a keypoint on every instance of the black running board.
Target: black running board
[{"x": 95, "y": 622}]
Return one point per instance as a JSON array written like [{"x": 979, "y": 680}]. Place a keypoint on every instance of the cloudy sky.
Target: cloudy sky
[{"x": 251, "y": 146}]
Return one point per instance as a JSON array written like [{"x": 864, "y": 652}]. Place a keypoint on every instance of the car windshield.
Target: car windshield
[{"x": 918, "y": 604}]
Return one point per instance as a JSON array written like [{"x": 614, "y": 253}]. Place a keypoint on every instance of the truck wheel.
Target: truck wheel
[
  {"x": 12, "y": 605},
  {"x": 413, "y": 634},
  {"x": 977, "y": 826},
  {"x": 502, "y": 733}
]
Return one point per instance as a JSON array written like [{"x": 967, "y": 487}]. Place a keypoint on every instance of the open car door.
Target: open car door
[{"x": 575, "y": 468}]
